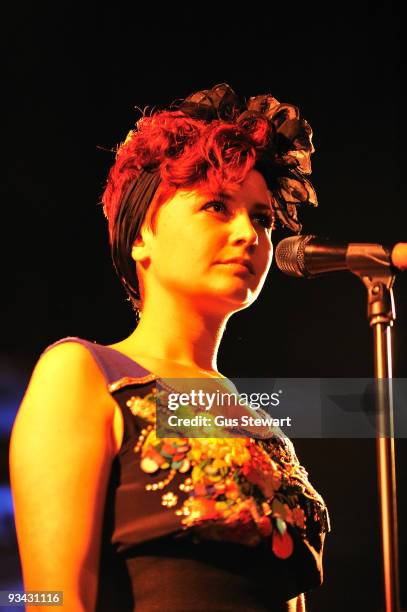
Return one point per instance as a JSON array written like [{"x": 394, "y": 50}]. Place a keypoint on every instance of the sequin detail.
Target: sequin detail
[
  {"x": 238, "y": 489},
  {"x": 169, "y": 500}
]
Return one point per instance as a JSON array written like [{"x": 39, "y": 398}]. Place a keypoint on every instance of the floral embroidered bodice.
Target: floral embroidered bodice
[{"x": 233, "y": 488}]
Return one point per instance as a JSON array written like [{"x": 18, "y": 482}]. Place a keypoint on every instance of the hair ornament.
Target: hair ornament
[{"x": 285, "y": 161}]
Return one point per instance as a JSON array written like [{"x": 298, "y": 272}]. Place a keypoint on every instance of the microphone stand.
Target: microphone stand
[{"x": 381, "y": 314}]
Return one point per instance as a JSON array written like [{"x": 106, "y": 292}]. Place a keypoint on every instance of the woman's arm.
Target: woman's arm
[{"x": 60, "y": 457}]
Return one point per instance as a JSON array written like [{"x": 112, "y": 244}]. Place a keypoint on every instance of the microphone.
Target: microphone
[{"x": 307, "y": 255}]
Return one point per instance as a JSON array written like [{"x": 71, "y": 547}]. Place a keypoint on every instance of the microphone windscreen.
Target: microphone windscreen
[
  {"x": 399, "y": 256},
  {"x": 290, "y": 255}
]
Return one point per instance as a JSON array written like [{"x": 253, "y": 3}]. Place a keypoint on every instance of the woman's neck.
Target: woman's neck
[{"x": 177, "y": 333}]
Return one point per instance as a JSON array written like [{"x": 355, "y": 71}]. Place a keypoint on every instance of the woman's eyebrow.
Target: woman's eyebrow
[
  {"x": 261, "y": 206},
  {"x": 225, "y": 196}
]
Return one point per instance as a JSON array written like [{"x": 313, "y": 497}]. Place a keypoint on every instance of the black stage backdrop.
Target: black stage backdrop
[{"x": 72, "y": 82}]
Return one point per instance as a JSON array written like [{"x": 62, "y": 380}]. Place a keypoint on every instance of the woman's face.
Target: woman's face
[{"x": 214, "y": 248}]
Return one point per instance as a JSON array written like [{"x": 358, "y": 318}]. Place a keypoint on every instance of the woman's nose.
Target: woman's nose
[{"x": 243, "y": 231}]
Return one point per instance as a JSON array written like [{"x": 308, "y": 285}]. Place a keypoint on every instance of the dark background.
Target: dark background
[{"x": 71, "y": 84}]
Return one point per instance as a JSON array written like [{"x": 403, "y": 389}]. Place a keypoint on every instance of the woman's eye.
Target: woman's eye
[
  {"x": 265, "y": 220},
  {"x": 216, "y": 206}
]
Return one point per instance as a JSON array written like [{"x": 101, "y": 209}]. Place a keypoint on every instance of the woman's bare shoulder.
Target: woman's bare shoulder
[
  {"x": 62, "y": 354},
  {"x": 70, "y": 360},
  {"x": 67, "y": 378}
]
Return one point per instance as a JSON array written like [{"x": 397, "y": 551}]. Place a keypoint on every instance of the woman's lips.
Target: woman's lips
[{"x": 245, "y": 265}]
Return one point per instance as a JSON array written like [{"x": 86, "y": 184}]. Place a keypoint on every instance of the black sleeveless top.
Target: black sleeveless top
[{"x": 192, "y": 524}]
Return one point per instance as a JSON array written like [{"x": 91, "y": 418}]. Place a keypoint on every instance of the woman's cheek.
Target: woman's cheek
[{"x": 268, "y": 257}]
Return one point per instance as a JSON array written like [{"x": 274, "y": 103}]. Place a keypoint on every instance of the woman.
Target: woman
[{"x": 106, "y": 511}]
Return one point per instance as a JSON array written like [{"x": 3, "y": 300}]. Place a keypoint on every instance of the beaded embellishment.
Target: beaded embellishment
[{"x": 239, "y": 489}]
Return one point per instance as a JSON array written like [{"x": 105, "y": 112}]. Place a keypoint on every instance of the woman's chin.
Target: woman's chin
[
  {"x": 239, "y": 292},
  {"x": 224, "y": 298},
  {"x": 231, "y": 300}
]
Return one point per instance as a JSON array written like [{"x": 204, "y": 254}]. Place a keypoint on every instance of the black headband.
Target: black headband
[{"x": 127, "y": 226}]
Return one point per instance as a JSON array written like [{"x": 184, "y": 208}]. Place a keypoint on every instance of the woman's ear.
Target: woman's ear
[{"x": 141, "y": 247}]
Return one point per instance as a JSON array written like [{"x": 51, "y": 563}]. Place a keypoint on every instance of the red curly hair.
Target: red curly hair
[{"x": 186, "y": 152}]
